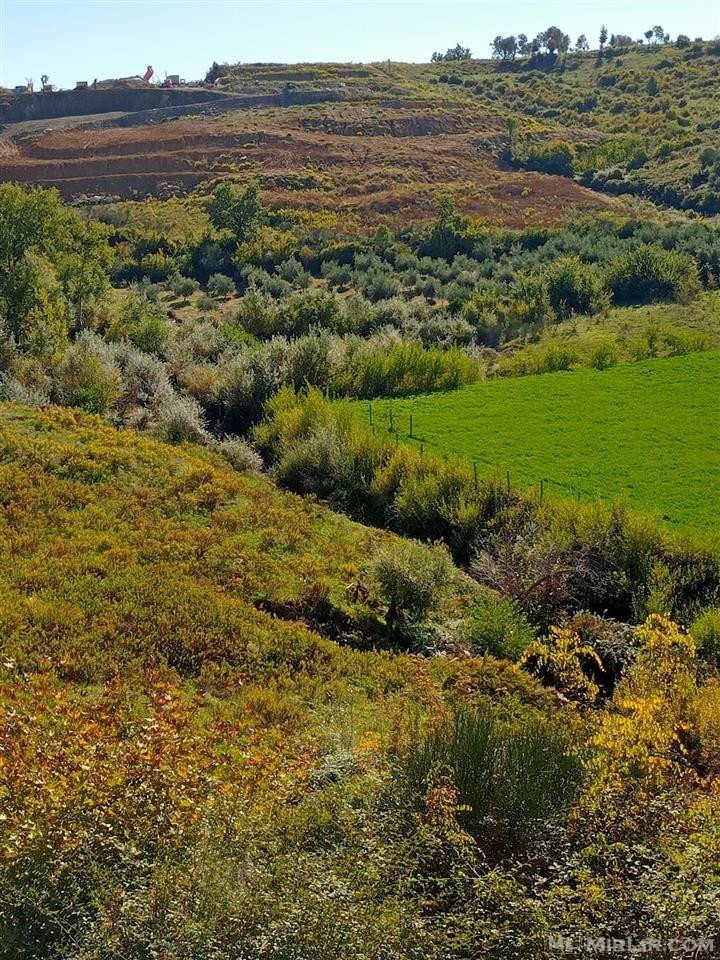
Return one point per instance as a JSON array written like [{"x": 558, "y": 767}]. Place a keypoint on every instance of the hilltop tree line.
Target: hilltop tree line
[{"x": 554, "y": 41}]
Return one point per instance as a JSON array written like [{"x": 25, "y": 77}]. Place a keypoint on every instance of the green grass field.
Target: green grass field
[{"x": 648, "y": 432}]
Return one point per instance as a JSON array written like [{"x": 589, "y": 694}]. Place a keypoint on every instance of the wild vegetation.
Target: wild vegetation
[
  {"x": 285, "y": 676},
  {"x": 198, "y": 748}
]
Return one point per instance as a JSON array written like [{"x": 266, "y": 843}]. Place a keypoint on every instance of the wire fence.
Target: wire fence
[{"x": 391, "y": 423}]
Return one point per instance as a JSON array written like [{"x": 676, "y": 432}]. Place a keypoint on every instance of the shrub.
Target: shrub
[
  {"x": 511, "y": 782},
  {"x": 379, "y": 284},
  {"x": 240, "y": 454},
  {"x": 574, "y": 287},
  {"x": 327, "y": 462},
  {"x": 258, "y": 314},
  {"x": 650, "y": 273},
  {"x": 308, "y": 309},
  {"x": 381, "y": 369},
  {"x": 14, "y": 391},
  {"x": 144, "y": 379},
  {"x": 705, "y": 631},
  {"x": 86, "y": 378},
  {"x": 205, "y": 302},
  {"x": 557, "y": 158},
  {"x": 183, "y": 287},
  {"x": 141, "y": 321},
  {"x": 336, "y": 274},
  {"x": 495, "y": 625},
  {"x": 411, "y": 579},
  {"x": 293, "y": 272},
  {"x": 248, "y": 381},
  {"x": 638, "y": 747},
  {"x": 706, "y": 720},
  {"x": 151, "y": 334},
  {"x": 219, "y": 285},
  {"x": 545, "y": 357},
  {"x": 181, "y": 419},
  {"x": 604, "y": 353}
]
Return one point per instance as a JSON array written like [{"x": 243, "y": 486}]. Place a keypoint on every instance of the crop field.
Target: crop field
[{"x": 648, "y": 432}]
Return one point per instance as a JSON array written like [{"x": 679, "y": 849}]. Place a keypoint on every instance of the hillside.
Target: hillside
[
  {"x": 99, "y": 519},
  {"x": 381, "y": 141},
  {"x": 359, "y": 467},
  {"x": 188, "y": 763},
  {"x": 167, "y": 667}
]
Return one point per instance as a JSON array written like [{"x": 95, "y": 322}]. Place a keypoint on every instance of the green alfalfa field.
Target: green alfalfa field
[{"x": 647, "y": 433}]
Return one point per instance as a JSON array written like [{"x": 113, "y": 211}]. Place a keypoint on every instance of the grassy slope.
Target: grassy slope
[
  {"x": 701, "y": 315},
  {"x": 104, "y": 522},
  {"x": 672, "y": 328},
  {"x": 147, "y": 694},
  {"x": 117, "y": 549},
  {"x": 649, "y": 431}
]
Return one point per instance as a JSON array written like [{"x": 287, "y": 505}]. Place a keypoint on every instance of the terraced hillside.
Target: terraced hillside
[
  {"x": 382, "y": 163},
  {"x": 382, "y": 140}
]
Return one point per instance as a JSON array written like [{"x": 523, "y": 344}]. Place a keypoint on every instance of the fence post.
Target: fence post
[
  {"x": 475, "y": 473},
  {"x": 370, "y": 413},
  {"x": 542, "y": 490},
  {"x": 507, "y": 477},
  {"x": 411, "y": 425}
]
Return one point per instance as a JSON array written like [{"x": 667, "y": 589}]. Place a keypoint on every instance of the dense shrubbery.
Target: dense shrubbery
[
  {"x": 53, "y": 267},
  {"x": 547, "y": 559},
  {"x": 423, "y": 306},
  {"x": 649, "y": 273}
]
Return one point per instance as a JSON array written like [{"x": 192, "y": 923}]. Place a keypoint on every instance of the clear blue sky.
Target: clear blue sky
[{"x": 74, "y": 40}]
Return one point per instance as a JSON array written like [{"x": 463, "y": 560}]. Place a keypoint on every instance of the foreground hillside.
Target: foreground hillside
[
  {"x": 127, "y": 550},
  {"x": 191, "y": 767},
  {"x": 648, "y": 431}
]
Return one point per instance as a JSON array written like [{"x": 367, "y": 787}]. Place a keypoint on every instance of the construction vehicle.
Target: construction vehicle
[{"x": 148, "y": 75}]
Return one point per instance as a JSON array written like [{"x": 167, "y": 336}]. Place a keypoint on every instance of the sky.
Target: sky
[{"x": 71, "y": 40}]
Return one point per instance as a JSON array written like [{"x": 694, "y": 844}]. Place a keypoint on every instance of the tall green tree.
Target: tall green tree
[
  {"x": 46, "y": 252},
  {"x": 555, "y": 41},
  {"x": 236, "y": 209}
]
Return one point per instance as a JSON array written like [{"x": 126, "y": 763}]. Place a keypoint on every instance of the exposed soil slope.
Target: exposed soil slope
[{"x": 379, "y": 162}]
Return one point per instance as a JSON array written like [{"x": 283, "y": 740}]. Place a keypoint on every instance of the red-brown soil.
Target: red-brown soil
[{"x": 385, "y": 162}]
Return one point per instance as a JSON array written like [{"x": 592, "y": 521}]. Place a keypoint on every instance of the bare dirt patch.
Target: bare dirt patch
[{"x": 380, "y": 162}]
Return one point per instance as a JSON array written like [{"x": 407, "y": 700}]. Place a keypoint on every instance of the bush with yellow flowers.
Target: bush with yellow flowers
[{"x": 640, "y": 741}]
